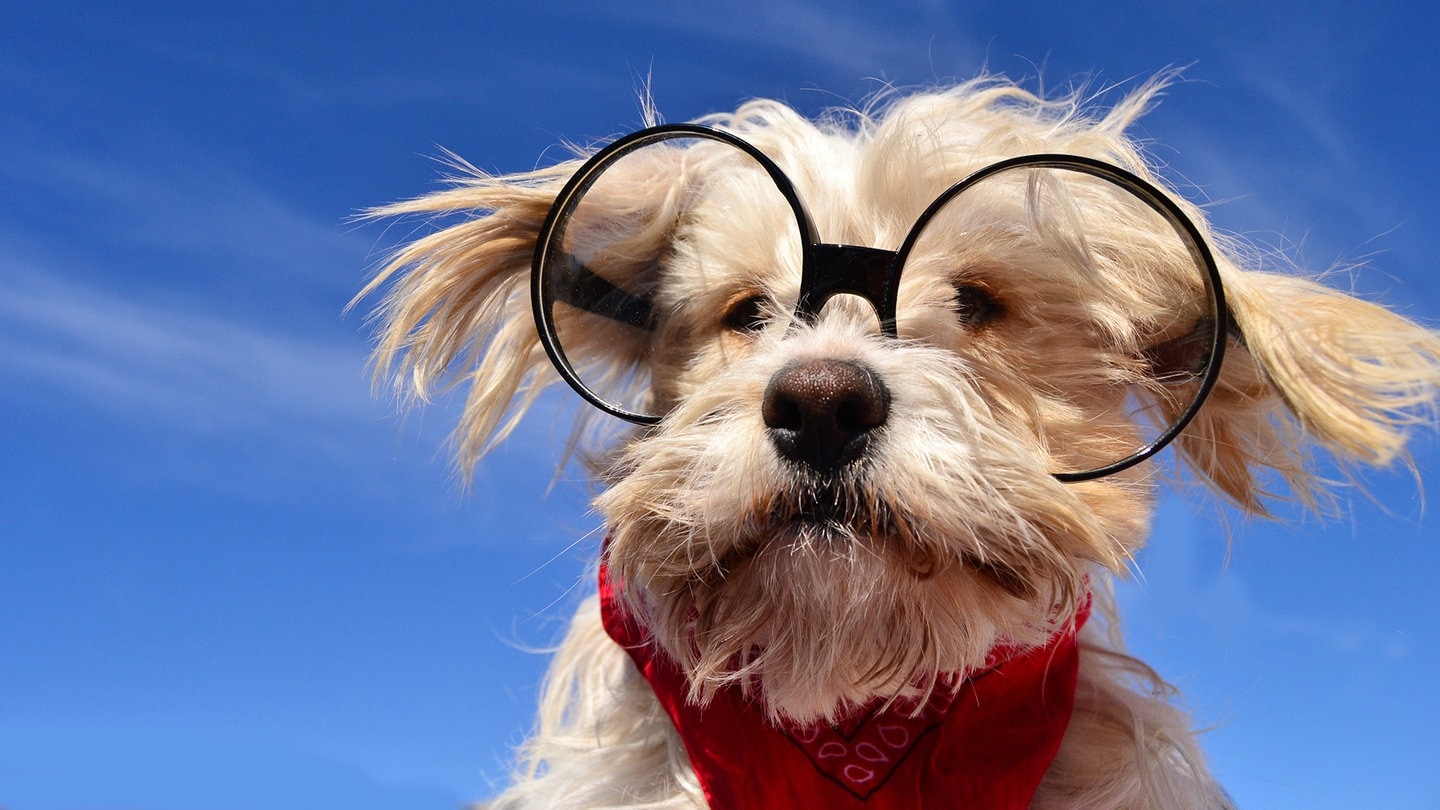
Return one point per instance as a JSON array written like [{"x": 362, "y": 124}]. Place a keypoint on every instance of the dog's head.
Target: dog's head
[{"x": 894, "y": 381}]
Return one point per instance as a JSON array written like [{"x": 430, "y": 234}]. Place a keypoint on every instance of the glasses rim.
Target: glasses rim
[{"x": 1219, "y": 321}]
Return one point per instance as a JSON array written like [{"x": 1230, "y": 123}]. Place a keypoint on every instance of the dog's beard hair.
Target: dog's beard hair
[
  {"x": 815, "y": 632},
  {"x": 819, "y": 592}
]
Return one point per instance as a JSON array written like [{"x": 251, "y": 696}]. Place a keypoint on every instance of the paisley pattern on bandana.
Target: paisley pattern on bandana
[{"x": 860, "y": 754}]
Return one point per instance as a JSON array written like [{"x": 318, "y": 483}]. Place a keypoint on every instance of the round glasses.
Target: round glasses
[{"x": 1039, "y": 223}]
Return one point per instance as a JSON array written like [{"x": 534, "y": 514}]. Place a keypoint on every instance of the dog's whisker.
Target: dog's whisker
[{"x": 587, "y": 537}]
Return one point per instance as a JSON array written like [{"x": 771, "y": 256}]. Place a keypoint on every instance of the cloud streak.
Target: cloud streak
[{"x": 140, "y": 359}]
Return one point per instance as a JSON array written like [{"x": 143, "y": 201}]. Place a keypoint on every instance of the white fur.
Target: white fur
[{"x": 970, "y": 541}]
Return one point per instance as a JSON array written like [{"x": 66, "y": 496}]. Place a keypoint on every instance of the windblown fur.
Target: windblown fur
[{"x": 957, "y": 536}]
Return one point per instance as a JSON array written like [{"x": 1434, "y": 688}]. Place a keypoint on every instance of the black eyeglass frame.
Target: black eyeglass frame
[{"x": 871, "y": 273}]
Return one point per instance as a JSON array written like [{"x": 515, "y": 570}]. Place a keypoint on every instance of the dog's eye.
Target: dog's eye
[
  {"x": 746, "y": 314},
  {"x": 975, "y": 306}
]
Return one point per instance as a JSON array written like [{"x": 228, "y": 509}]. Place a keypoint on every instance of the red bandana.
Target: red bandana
[{"x": 983, "y": 740}]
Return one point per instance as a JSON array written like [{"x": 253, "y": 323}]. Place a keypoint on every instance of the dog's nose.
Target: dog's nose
[{"x": 822, "y": 413}]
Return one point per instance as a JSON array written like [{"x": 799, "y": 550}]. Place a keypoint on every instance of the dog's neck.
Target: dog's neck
[{"x": 982, "y": 739}]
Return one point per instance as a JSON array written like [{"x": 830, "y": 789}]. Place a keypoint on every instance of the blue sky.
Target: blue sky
[{"x": 232, "y": 578}]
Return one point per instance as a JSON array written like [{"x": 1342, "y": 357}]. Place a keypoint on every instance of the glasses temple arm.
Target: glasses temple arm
[{"x": 586, "y": 290}]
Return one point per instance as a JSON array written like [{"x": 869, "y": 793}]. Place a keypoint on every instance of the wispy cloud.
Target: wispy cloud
[
  {"x": 174, "y": 361},
  {"x": 230, "y": 326},
  {"x": 153, "y": 280},
  {"x": 858, "y": 42},
  {"x": 188, "y": 207}
]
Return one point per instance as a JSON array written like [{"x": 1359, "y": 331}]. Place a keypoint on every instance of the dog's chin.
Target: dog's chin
[
  {"x": 820, "y": 609},
  {"x": 833, "y": 521},
  {"x": 836, "y": 522}
]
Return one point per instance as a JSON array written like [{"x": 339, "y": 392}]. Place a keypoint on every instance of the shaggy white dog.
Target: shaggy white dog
[{"x": 889, "y": 384}]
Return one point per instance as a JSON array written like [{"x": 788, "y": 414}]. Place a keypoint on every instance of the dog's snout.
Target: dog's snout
[{"x": 822, "y": 413}]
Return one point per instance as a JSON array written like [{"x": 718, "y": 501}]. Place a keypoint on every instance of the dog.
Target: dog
[{"x": 873, "y": 402}]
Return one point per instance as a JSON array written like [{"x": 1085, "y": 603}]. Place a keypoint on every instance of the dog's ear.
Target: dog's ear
[
  {"x": 457, "y": 311},
  {"x": 1313, "y": 365}
]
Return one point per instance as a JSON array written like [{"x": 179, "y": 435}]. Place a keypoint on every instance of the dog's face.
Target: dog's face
[
  {"x": 851, "y": 497},
  {"x": 850, "y": 503}
]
